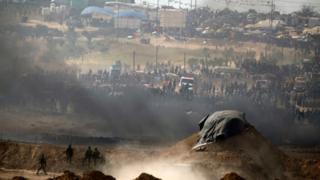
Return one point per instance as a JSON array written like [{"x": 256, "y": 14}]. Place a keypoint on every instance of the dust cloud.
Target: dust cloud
[{"x": 160, "y": 169}]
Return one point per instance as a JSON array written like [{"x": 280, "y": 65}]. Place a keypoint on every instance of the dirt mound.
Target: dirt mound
[
  {"x": 67, "y": 175},
  {"x": 303, "y": 168},
  {"x": 145, "y": 176},
  {"x": 232, "y": 176},
  {"x": 96, "y": 175},
  {"x": 89, "y": 175},
  {"x": 248, "y": 154},
  {"x": 19, "y": 178},
  {"x": 311, "y": 169}
]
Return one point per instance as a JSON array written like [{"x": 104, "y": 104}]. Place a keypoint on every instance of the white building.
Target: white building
[
  {"x": 127, "y": 23},
  {"x": 314, "y": 21},
  {"x": 172, "y": 18}
]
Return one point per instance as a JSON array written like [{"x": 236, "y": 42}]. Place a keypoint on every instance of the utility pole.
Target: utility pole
[
  {"x": 184, "y": 62},
  {"x": 206, "y": 61},
  {"x": 157, "y": 52},
  {"x": 271, "y": 13},
  {"x": 117, "y": 25},
  {"x": 158, "y": 4},
  {"x": 266, "y": 51},
  {"x": 134, "y": 61}
]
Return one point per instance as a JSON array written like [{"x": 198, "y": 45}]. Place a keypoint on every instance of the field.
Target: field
[
  {"x": 172, "y": 51},
  {"x": 106, "y": 49}
]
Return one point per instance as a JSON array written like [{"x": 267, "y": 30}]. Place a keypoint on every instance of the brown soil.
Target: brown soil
[
  {"x": 145, "y": 176},
  {"x": 90, "y": 175},
  {"x": 25, "y": 156},
  {"x": 248, "y": 154},
  {"x": 96, "y": 175},
  {"x": 19, "y": 178},
  {"x": 67, "y": 175},
  {"x": 303, "y": 168},
  {"x": 14, "y": 155},
  {"x": 232, "y": 176}
]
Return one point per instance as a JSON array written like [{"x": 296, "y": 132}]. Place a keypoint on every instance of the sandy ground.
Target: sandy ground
[
  {"x": 21, "y": 159},
  {"x": 27, "y": 122},
  {"x": 173, "y": 51},
  {"x": 55, "y": 25},
  {"x": 247, "y": 154},
  {"x": 6, "y": 174}
]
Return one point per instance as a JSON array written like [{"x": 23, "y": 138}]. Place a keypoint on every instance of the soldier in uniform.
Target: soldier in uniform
[
  {"x": 88, "y": 156},
  {"x": 69, "y": 154},
  {"x": 42, "y": 164},
  {"x": 95, "y": 155}
]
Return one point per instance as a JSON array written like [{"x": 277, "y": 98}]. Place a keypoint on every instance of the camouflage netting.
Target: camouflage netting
[{"x": 221, "y": 125}]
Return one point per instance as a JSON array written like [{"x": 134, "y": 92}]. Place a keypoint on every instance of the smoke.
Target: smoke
[
  {"x": 132, "y": 160},
  {"x": 31, "y": 74}
]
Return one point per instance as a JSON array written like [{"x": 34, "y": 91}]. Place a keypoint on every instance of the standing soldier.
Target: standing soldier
[
  {"x": 69, "y": 153},
  {"x": 42, "y": 164},
  {"x": 88, "y": 156},
  {"x": 96, "y": 155}
]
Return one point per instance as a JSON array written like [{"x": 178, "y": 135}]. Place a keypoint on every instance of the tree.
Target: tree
[
  {"x": 252, "y": 11},
  {"x": 307, "y": 11}
]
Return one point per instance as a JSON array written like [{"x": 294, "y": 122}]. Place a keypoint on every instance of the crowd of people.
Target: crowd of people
[{"x": 264, "y": 83}]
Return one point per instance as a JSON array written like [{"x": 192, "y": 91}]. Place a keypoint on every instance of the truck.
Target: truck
[
  {"x": 186, "y": 87},
  {"x": 115, "y": 71}
]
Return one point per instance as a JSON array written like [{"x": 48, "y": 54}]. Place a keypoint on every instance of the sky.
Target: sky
[{"x": 285, "y": 6}]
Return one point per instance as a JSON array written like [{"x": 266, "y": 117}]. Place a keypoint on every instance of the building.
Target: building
[
  {"x": 123, "y": 6},
  {"x": 121, "y": 1},
  {"x": 314, "y": 21},
  {"x": 172, "y": 18},
  {"x": 130, "y": 19},
  {"x": 98, "y": 12}
]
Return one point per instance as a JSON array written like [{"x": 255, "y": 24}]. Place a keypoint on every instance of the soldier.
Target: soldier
[
  {"x": 42, "y": 164},
  {"x": 95, "y": 155},
  {"x": 69, "y": 153},
  {"x": 88, "y": 156}
]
